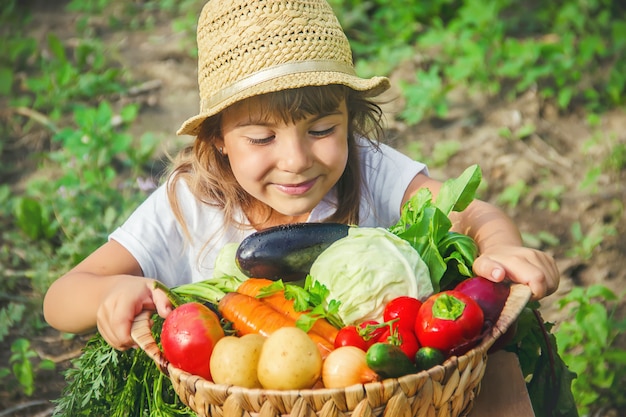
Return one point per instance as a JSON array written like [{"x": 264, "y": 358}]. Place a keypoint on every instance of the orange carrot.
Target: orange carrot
[
  {"x": 253, "y": 286},
  {"x": 251, "y": 315}
]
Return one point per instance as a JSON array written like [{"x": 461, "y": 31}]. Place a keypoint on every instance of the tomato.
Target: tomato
[
  {"x": 188, "y": 336},
  {"x": 449, "y": 321},
  {"x": 349, "y": 336},
  {"x": 403, "y": 309},
  {"x": 363, "y": 335},
  {"x": 371, "y": 330},
  {"x": 404, "y": 338},
  {"x": 408, "y": 342}
]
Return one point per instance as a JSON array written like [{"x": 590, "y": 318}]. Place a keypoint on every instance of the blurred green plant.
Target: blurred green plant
[
  {"x": 569, "y": 51},
  {"x": 92, "y": 171},
  {"x": 95, "y": 174},
  {"x": 513, "y": 194},
  {"x": 588, "y": 345},
  {"x": 541, "y": 239},
  {"x": 24, "y": 365},
  {"x": 584, "y": 244},
  {"x": 550, "y": 197}
]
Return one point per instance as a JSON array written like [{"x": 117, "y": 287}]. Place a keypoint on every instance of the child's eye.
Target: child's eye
[
  {"x": 260, "y": 141},
  {"x": 320, "y": 133}
]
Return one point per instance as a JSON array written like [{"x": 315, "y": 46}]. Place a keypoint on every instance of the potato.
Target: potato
[
  {"x": 234, "y": 360},
  {"x": 289, "y": 360}
]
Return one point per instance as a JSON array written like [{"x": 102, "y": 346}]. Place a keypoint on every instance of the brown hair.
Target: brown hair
[{"x": 208, "y": 175}]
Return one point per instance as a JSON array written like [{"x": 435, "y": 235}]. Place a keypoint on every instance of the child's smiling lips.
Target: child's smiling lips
[{"x": 296, "y": 189}]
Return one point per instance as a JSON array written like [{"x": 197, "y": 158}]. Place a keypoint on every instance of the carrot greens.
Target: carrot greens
[{"x": 312, "y": 298}]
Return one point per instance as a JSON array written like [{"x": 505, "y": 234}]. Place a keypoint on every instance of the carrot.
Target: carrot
[
  {"x": 251, "y": 315},
  {"x": 253, "y": 286}
]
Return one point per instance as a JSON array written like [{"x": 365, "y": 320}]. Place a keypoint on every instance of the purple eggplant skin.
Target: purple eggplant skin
[
  {"x": 490, "y": 296},
  {"x": 287, "y": 251}
]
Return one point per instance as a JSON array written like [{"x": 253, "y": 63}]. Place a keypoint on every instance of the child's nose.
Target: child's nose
[{"x": 295, "y": 155}]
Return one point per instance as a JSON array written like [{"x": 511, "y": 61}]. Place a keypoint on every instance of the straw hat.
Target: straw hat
[{"x": 252, "y": 47}]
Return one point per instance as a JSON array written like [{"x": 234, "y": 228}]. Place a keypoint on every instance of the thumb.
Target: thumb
[{"x": 489, "y": 268}]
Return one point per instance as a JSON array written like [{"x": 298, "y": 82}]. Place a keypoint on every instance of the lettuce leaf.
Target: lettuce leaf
[{"x": 424, "y": 223}]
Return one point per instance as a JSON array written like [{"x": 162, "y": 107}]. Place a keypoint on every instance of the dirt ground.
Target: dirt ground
[{"x": 556, "y": 154}]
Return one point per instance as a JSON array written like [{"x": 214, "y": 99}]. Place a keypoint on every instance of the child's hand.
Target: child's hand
[
  {"x": 522, "y": 265},
  {"x": 123, "y": 303}
]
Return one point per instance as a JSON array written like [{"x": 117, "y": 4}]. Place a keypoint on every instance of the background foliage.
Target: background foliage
[{"x": 62, "y": 104}]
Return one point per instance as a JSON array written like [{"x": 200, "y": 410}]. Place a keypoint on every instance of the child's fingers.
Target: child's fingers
[
  {"x": 116, "y": 334},
  {"x": 161, "y": 303},
  {"x": 538, "y": 273},
  {"x": 487, "y": 267},
  {"x": 118, "y": 311}
]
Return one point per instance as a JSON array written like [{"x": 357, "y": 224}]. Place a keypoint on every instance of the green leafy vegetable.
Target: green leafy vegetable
[
  {"x": 107, "y": 382},
  {"x": 367, "y": 269},
  {"x": 549, "y": 379},
  {"x": 426, "y": 226},
  {"x": 450, "y": 256},
  {"x": 225, "y": 263}
]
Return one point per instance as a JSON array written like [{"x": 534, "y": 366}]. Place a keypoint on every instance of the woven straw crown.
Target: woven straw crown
[{"x": 252, "y": 47}]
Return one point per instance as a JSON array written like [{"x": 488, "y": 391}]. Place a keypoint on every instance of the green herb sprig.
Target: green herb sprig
[{"x": 311, "y": 298}]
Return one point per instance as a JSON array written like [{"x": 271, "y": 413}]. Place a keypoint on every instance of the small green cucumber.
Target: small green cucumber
[
  {"x": 388, "y": 361},
  {"x": 427, "y": 357}
]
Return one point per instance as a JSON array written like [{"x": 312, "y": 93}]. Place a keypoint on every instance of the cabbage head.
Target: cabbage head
[
  {"x": 226, "y": 264},
  {"x": 367, "y": 269}
]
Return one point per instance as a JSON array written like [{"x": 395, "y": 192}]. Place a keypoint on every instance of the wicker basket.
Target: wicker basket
[{"x": 446, "y": 390}]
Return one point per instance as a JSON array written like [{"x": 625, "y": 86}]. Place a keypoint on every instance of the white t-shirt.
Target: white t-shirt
[{"x": 156, "y": 240}]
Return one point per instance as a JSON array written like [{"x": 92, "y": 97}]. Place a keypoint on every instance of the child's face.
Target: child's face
[{"x": 289, "y": 167}]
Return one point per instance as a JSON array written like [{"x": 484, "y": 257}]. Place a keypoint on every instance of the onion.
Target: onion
[
  {"x": 491, "y": 296},
  {"x": 346, "y": 366}
]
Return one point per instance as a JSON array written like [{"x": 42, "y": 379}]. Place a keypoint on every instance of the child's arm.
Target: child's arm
[
  {"x": 106, "y": 291},
  {"x": 502, "y": 254}
]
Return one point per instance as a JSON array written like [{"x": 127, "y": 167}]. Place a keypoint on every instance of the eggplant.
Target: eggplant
[{"x": 286, "y": 252}]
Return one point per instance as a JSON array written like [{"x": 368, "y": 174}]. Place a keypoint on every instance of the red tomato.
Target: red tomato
[
  {"x": 403, "y": 309},
  {"x": 371, "y": 330},
  {"x": 404, "y": 338},
  {"x": 349, "y": 336},
  {"x": 188, "y": 336},
  {"x": 449, "y": 321},
  {"x": 408, "y": 342},
  {"x": 363, "y": 335}
]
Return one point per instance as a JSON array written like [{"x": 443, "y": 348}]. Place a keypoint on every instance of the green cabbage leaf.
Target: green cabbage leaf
[{"x": 367, "y": 269}]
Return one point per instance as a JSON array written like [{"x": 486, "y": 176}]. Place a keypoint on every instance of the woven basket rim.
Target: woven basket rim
[{"x": 518, "y": 298}]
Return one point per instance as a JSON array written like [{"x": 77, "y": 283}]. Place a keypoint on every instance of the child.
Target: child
[{"x": 286, "y": 133}]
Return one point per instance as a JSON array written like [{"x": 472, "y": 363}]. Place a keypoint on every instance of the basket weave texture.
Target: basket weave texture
[{"x": 446, "y": 390}]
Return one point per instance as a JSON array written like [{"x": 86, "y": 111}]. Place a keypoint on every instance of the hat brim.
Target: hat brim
[{"x": 371, "y": 86}]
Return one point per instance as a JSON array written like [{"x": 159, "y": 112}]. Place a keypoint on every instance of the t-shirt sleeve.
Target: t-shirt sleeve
[
  {"x": 153, "y": 236},
  {"x": 387, "y": 174}
]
